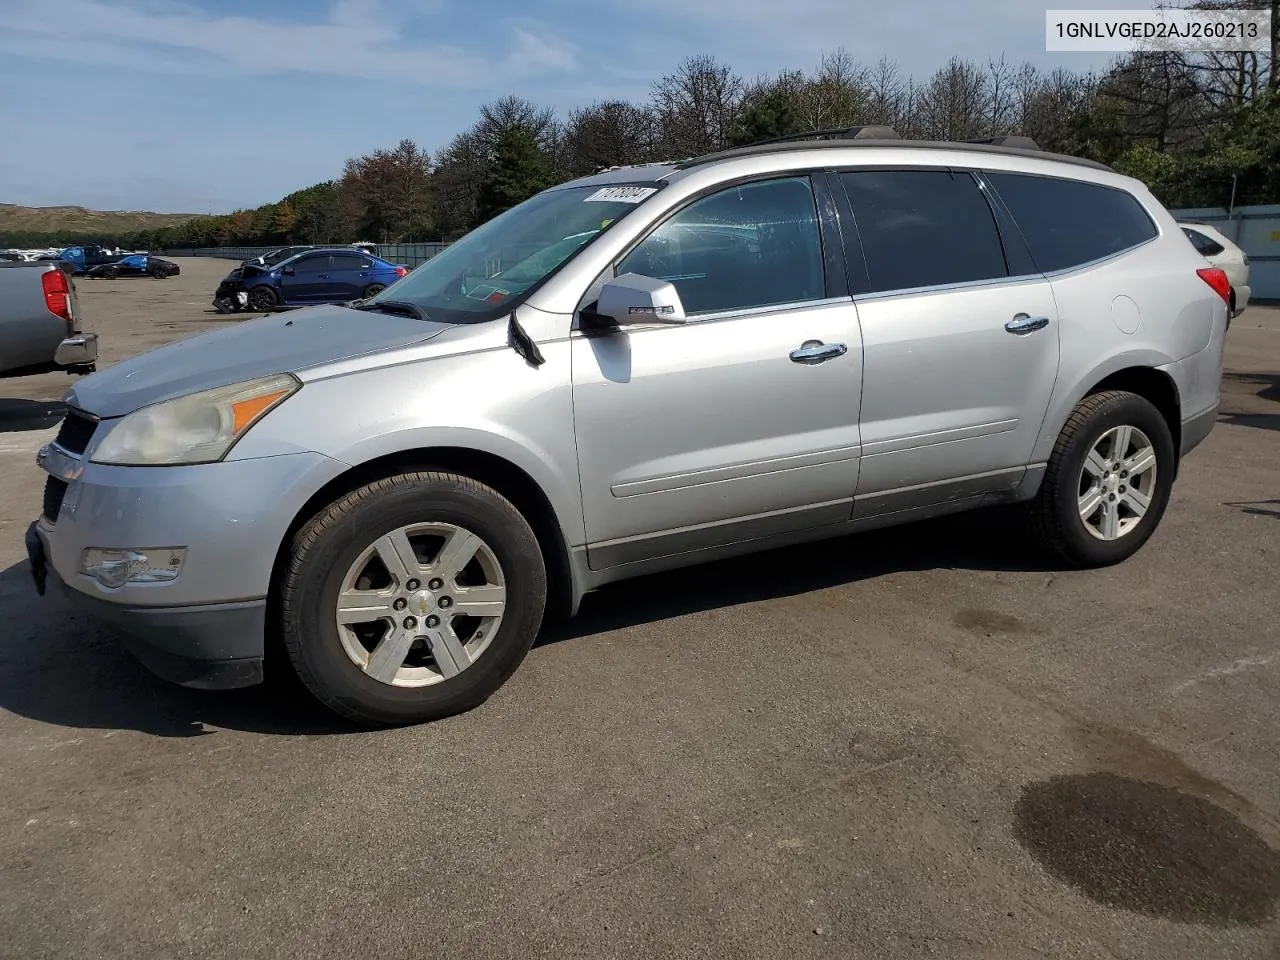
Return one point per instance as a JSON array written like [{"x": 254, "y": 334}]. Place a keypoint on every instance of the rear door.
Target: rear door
[
  {"x": 349, "y": 274},
  {"x": 960, "y": 338}
]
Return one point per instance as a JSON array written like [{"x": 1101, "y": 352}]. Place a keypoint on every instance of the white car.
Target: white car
[{"x": 1225, "y": 255}]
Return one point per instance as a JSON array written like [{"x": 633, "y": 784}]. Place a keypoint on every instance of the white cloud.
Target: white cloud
[{"x": 359, "y": 38}]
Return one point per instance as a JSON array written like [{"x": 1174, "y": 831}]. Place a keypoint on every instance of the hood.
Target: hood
[{"x": 282, "y": 343}]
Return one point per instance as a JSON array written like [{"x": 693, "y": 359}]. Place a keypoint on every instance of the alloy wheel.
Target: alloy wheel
[
  {"x": 420, "y": 604},
  {"x": 1117, "y": 482}
]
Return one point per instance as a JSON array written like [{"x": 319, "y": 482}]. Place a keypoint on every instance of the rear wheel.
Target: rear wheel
[
  {"x": 1108, "y": 480},
  {"x": 262, "y": 298},
  {"x": 372, "y": 289},
  {"x": 412, "y": 598}
]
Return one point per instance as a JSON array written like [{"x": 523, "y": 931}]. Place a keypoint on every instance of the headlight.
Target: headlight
[{"x": 198, "y": 428}]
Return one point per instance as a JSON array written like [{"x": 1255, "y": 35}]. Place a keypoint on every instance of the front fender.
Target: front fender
[{"x": 489, "y": 401}]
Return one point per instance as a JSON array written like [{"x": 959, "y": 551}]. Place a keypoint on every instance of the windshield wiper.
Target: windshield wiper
[{"x": 392, "y": 306}]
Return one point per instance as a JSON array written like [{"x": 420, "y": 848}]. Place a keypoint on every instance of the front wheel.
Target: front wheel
[
  {"x": 1108, "y": 480},
  {"x": 262, "y": 299},
  {"x": 111, "y": 273},
  {"x": 412, "y": 598},
  {"x": 160, "y": 273}
]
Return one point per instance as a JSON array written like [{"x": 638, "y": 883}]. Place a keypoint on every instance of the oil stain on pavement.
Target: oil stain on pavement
[{"x": 1142, "y": 832}]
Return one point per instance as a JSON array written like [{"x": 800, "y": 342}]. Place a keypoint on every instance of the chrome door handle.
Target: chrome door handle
[
  {"x": 815, "y": 351},
  {"x": 1022, "y": 324}
]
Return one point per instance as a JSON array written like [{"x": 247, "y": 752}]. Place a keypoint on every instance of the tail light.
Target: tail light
[
  {"x": 401, "y": 271},
  {"x": 1217, "y": 279},
  {"x": 57, "y": 293}
]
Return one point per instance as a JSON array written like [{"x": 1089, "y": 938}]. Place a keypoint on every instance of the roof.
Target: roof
[{"x": 868, "y": 138}]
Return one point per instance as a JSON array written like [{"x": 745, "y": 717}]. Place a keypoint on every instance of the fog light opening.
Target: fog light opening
[{"x": 114, "y": 567}]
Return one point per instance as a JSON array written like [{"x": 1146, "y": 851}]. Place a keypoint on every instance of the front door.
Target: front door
[
  {"x": 960, "y": 337},
  {"x": 740, "y": 423}
]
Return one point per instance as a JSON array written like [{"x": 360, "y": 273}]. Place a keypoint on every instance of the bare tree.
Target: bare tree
[
  {"x": 696, "y": 106},
  {"x": 886, "y": 95},
  {"x": 952, "y": 103},
  {"x": 607, "y": 134}
]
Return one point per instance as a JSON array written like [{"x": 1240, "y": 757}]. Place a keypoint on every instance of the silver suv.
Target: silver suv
[{"x": 644, "y": 369}]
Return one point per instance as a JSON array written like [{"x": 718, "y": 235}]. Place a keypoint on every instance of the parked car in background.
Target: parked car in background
[
  {"x": 84, "y": 257},
  {"x": 39, "y": 319},
  {"x": 1222, "y": 253},
  {"x": 632, "y": 372},
  {"x": 135, "y": 265},
  {"x": 330, "y": 275},
  {"x": 276, "y": 256}
]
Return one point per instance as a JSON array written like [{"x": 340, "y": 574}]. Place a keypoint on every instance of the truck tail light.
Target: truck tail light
[
  {"x": 401, "y": 271},
  {"x": 57, "y": 293}
]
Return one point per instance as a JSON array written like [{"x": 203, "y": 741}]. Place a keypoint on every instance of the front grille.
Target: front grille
[
  {"x": 76, "y": 432},
  {"x": 54, "y": 490}
]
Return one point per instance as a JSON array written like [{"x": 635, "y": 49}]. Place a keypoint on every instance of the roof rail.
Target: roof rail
[
  {"x": 885, "y": 137},
  {"x": 836, "y": 133},
  {"x": 1008, "y": 140}
]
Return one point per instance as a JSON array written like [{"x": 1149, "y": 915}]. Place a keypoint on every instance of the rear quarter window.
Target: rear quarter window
[{"x": 1067, "y": 223}]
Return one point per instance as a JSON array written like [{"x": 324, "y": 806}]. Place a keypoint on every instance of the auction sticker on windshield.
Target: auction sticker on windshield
[{"x": 620, "y": 195}]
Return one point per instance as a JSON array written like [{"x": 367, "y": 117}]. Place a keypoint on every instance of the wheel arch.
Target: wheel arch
[
  {"x": 495, "y": 471},
  {"x": 1144, "y": 379}
]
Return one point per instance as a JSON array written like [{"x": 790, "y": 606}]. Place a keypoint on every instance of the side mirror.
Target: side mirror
[
  {"x": 287, "y": 271},
  {"x": 632, "y": 298}
]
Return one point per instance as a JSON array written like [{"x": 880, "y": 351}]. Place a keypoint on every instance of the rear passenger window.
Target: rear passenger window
[
  {"x": 753, "y": 245},
  {"x": 923, "y": 228},
  {"x": 345, "y": 261},
  {"x": 1069, "y": 222},
  {"x": 1206, "y": 245}
]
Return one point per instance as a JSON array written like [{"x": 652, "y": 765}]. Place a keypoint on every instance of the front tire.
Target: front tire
[
  {"x": 412, "y": 598},
  {"x": 262, "y": 299},
  {"x": 160, "y": 273},
  {"x": 1108, "y": 481},
  {"x": 112, "y": 273}
]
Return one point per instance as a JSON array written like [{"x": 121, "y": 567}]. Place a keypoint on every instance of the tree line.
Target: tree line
[{"x": 1200, "y": 130}]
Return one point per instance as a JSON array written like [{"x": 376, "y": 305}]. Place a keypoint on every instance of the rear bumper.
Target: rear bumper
[
  {"x": 78, "y": 351},
  {"x": 1243, "y": 293},
  {"x": 1195, "y": 429}
]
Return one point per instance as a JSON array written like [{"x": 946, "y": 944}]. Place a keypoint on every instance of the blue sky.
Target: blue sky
[{"x": 208, "y": 105}]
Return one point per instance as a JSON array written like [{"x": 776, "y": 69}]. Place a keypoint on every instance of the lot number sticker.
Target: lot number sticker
[{"x": 620, "y": 195}]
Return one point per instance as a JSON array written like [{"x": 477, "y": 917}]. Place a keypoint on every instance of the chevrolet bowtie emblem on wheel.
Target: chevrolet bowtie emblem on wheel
[{"x": 423, "y": 604}]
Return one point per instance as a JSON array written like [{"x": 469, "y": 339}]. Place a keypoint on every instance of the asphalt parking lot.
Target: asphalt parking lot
[{"x": 915, "y": 743}]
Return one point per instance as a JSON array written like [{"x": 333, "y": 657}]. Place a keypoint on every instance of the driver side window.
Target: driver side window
[
  {"x": 750, "y": 245},
  {"x": 311, "y": 265}
]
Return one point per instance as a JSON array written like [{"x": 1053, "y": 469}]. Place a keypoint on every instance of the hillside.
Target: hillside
[{"x": 77, "y": 221}]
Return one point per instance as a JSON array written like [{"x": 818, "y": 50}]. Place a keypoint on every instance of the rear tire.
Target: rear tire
[
  {"x": 373, "y": 288},
  {"x": 262, "y": 299},
  {"x": 418, "y": 682},
  {"x": 1086, "y": 512}
]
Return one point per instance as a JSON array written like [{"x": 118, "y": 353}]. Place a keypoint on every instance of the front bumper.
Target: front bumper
[
  {"x": 206, "y": 627},
  {"x": 217, "y": 646},
  {"x": 78, "y": 351}
]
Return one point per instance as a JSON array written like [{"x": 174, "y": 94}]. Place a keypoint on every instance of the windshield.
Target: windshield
[{"x": 491, "y": 269}]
